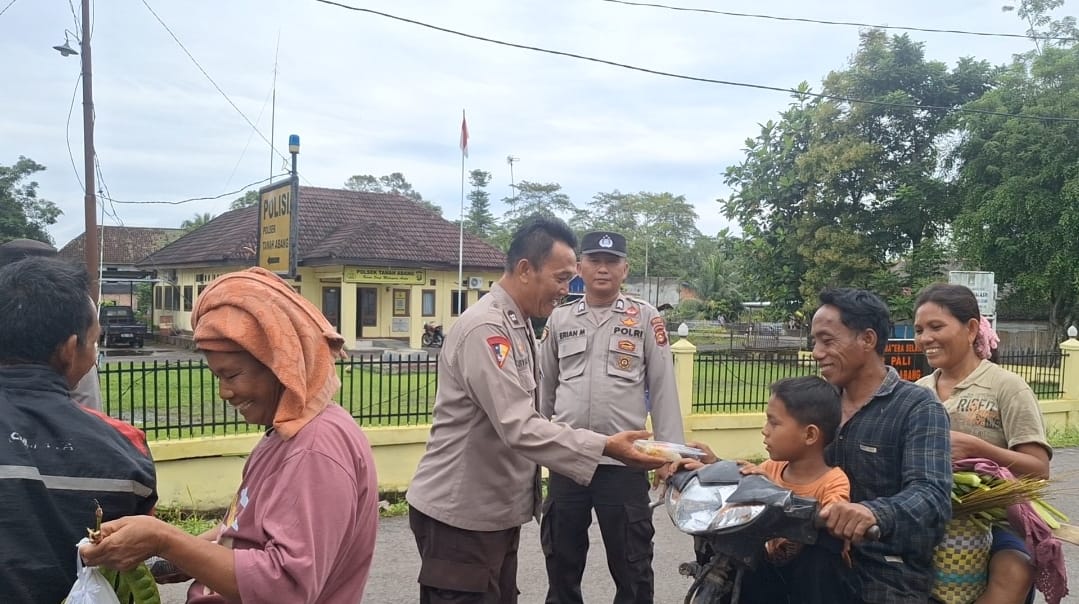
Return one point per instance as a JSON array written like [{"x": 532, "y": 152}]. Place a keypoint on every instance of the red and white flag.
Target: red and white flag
[{"x": 464, "y": 135}]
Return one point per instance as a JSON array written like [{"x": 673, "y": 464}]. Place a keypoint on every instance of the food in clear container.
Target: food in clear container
[{"x": 666, "y": 450}]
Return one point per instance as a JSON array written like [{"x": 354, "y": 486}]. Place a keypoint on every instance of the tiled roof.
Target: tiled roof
[
  {"x": 123, "y": 246},
  {"x": 338, "y": 227}
]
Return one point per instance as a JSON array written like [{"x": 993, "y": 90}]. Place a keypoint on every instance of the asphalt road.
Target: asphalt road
[{"x": 396, "y": 565}]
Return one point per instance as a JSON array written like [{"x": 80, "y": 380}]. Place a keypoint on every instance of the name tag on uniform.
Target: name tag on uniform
[{"x": 867, "y": 448}]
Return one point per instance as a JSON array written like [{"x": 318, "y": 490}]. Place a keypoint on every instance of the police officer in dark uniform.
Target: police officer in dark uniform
[{"x": 603, "y": 359}]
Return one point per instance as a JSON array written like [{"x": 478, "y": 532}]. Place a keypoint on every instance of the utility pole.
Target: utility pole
[
  {"x": 90, "y": 235},
  {"x": 510, "y": 159}
]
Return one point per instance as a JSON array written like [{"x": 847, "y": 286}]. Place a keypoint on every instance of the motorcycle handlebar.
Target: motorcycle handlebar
[{"x": 871, "y": 534}]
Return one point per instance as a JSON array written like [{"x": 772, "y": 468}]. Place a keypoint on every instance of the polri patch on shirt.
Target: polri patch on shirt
[{"x": 500, "y": 349}]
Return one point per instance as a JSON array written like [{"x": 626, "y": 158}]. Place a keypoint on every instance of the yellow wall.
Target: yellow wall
[
  {"x": 203, "y": 473},
  {"x": 314, "y": 279}
]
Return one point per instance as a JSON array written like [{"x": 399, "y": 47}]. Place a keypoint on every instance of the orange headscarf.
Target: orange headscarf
[{"x": 256, "y": 311}]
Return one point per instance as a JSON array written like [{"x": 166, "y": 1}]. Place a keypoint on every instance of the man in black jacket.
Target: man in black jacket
[{"x": 58, "y": 460}]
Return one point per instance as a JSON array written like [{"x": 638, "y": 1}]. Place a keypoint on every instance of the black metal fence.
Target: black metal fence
[
  {"x": 178, "y": 399},
  {"x": 1043, "y": 371},
  {"x": 735, "y": 381}
]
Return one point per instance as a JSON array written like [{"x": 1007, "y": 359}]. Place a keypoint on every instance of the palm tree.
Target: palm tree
[{"x": 196, "y": 222}]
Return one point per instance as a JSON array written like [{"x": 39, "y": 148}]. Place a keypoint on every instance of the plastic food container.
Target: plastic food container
[{"x": 666, "y": 450}]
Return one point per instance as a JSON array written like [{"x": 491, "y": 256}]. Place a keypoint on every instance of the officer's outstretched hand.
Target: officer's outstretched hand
[{"x": 620, "y": 446}]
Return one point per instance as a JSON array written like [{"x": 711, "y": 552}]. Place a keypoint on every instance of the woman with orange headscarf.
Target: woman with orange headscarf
[{"x": 302, "y": 525}]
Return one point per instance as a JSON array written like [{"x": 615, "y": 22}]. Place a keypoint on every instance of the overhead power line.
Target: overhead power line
[
  {"x": 216, "y": 87},
  {"x": 7, "y": 7},
  {"x": 931, "y": 30},
  {"x": 678, "y": 76},
  {"x": 190, "y": 199}
]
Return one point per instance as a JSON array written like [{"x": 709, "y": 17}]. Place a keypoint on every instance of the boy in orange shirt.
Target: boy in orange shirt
[{"x": 802, "y": 418}]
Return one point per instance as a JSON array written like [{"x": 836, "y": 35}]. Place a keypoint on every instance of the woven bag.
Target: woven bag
[{"x": 962, "y": 562}]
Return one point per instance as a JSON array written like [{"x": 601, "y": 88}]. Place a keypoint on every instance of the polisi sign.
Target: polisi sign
[{"x": 276, "y": 247}]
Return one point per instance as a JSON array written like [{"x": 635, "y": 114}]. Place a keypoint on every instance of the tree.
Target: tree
[
  {"x": 23, "y": 215},
  {"x": 249, "y": 199},
  {"x": 660, "y": 229},
  {"x": 535, "y": 198},
  {"x": 197, "y": 221},
  {"x": 714, "y": 269},
  {"x": 391, "y": 183},
  {"x": 837, "y": 192},
  {"x": 769, "y": 201},
  {"x": 480, "y": 221},
  {"x": 1019, "y": 182}
]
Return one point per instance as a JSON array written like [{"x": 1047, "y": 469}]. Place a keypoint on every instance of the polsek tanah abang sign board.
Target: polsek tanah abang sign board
[{"x": 276, "y": 215}]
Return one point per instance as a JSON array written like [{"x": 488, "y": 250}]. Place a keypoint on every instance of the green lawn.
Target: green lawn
[
  {"x": 180, "y": 399},
  {"x": 740, "y": 385}
]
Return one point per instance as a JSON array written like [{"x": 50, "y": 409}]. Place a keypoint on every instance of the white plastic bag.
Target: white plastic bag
[{"x": 90, "y": 586}]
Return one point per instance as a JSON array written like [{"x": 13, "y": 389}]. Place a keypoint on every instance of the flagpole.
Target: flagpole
[{"x": 461, "y": 235}]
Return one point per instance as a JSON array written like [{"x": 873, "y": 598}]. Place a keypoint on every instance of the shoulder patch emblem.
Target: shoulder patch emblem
[
  {"x": 500, "y": 349},
  {"x": 659, "y": 329}
]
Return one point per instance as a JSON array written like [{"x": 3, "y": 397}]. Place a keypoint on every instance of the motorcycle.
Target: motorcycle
[
  {"x": 731, "y": 516},
  {"x": 432, "y": 334}
]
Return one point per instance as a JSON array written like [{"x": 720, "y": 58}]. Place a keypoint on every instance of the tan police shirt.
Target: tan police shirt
[
  {"x": 995, "y": 405},
  {"x": 595, "y": 372},
  {"x": 480, "y": 469}
]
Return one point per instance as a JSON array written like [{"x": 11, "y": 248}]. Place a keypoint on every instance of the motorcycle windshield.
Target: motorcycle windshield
[{"x": 697, "y": 509}]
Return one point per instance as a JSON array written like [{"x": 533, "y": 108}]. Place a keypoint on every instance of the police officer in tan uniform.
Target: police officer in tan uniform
[
  {"x": 478, "y": 481},
  {"x": 603, "y": 360}
]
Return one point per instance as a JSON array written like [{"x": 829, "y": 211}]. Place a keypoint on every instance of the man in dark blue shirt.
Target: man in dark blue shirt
[
  {"x": 894, "y": 446},
  {"x": 60, "y": 461}
]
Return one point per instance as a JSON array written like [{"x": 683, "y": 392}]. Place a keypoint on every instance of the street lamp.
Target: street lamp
[{"x": 90, "y": 238}]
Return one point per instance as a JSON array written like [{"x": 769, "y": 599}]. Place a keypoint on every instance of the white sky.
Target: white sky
[{"x": 369, "y": 95}]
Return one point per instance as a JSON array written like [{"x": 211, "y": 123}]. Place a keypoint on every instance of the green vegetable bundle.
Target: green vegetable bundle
[{"x": 985, "y": 499}]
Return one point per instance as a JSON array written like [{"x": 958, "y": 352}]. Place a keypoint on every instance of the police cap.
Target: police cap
[{"x": 603, "y": 242}]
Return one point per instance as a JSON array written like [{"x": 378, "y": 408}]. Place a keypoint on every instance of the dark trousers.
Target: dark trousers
[
  {"x": 459, "y": 566},
  {"x": 619, "y": 496},
  {"x": 814, "y": 576}
]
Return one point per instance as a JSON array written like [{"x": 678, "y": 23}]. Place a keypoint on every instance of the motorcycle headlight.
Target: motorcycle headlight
[{"x": 698, "y": 509}]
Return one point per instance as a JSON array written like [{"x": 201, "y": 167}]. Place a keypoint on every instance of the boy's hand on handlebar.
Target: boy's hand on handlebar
[
  {"x": 849, "y": 521},
  {"x": 686, "y": 463},
  {"x": 746, "y": 468},
  {"x": 709, "y": 455}
]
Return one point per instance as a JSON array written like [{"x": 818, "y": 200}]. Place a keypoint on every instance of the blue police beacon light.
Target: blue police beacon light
[{"x": 294, "y": 143}]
